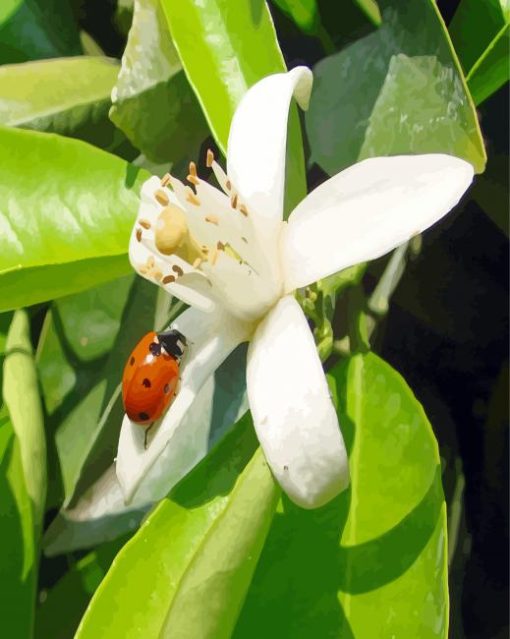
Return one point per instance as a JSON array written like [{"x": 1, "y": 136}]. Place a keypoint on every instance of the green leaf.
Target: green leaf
[
  {"x": 70, "y": 96},
  {"x": 185, "y": 573},
  {"x": 62, "y": 607},
  {"x": 152, "y": 102},
  {"x": 398, "y": 90},
  {"x": 21, "y": 397},
  {"x": 480, "y": 33},
  {"x": 66, "y": 214},
  {"x": 372, "y": 563},
  {"x": 303, "y": 12},
  {"x": 18, "y": 566},
  {"x": 35, "y": 29}
]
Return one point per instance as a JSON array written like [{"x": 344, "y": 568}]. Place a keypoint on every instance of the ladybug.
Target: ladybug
[{"x": 151, "y": 375}]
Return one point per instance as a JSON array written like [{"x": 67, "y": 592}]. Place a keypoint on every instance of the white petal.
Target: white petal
[
  {"x": 367, "y": 210},
  {"x": 211, "y": 337},
  {"x": 294, "y": 416},
  {"x": 258, "y": 139}
]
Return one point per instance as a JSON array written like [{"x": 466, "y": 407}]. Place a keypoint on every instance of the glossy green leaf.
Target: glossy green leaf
[
  {"x": 225, "y": 46},
  {"x": 18, "y": 566},
  {"x": 303, "y": 12},
  {"x": 152, "y": 102},
  {"x": 185, "y": 573},
  {"x": 21, "y": 397},
  {"x": 409, "y": 97},
  {"x": 70, "y": 96},
  {"x": 372, "y": 563},
  {"x": 36, "y": 29},
  {"x": 480, "y": 32},
  {"x": 66, "y": 213},
  {"x": 62, "y": 607}
]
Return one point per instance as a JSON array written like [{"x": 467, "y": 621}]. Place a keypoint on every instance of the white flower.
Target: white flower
[{"x": 231, "y": 257}]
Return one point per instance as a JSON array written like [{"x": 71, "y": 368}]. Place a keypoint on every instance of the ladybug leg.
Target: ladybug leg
[{"x": 146, "y": 433}]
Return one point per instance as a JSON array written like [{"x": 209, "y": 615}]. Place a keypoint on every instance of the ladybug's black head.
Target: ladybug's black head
[{"x": 173, "y": 342}]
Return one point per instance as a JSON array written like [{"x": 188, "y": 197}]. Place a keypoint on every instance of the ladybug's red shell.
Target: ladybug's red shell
[{"x": 149, "y": 381}]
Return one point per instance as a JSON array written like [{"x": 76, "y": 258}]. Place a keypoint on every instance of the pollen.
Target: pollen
[
  {"x": 212, "y": 219},
  {"x": 145, "y": 223},
  {"x": 161, "y": 197},
  {"x": 209, "y": 158}
]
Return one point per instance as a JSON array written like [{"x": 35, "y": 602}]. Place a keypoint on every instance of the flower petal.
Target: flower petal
[
  {"x": 292, "y": 410},
  {"x": 258, "y": 139},
  {"x": 367, "y": 210},
  {"x": 211, "y": 337}
]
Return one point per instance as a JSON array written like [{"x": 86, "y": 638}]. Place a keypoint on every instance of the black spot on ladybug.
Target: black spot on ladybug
[
  {"x": 147, "y": 382},
  {"x": 155, "y": 349},
  {"x": 132, "y": 361},
  {"x": 166, "y": 389},
  {"x": 143, "y": 416}
]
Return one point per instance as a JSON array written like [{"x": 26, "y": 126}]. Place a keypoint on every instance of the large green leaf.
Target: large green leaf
[
  {"x": 480, "y": 32},
  {"x": 407, "y": 95},
  {"x": 66, "y": 212},
  {"x": 372, "y": 563},
  {"x": 18, "y": 565},
  {"x": 185, "y": 573},
  {"x": 35, "y": 29},
  {"x": 152, "y": 102},
  {"x": 70, "y": 96},
  {"x": 21, "y": 397},
  {"x": 225, "y": 46},
  {"x": 304, "y": 13}
]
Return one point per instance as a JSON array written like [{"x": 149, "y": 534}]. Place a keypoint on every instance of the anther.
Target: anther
[
  {"x": 145, "y": 223},
  {"x": 212, "y": 219},
  {"x": 165, "y": 180},
  {"x": 192, "y": 179},
  {"x": 233, "y": 201},
  {"x": 228, "y": 185},
  {"x": 139, "y": 235},
  {"x": 161, "y": 197},
  {"x": 243, "y": 210},
  {"x": 157, "y": 274},
  {"x": 178, "y": 270},
  {"x": 168, "y": 279},
  {"x": 150, "y": 262},
  {"x": 209, "y": 159},
  {"x": 193, "y": 169},
  {"x": 197, "y": 262},
  {"x": 213, "y": 256},
  {"x": 244, "y": 240},
  {"x": 220, "y": 246}
]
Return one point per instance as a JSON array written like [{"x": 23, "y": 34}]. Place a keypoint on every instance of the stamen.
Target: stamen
[
  {"x": 228, "y": 185},
  {"x": 209, "y": 159},
  {"x": 220, "y": 246},
  {"x": 193, "y": 169},
  {"x": 157, "y": 275},
  {"x": 191, "y": 197},
  {"x": 213, "y": 256},
  {"x": 212, "y": 219},
  {"x": 145, "y": 223},
  {"x": 139, "y": 235},
  {"x": 150, "y": 262},
  {"x": 193, "y": 179},
  {"x": 244, "y": 240},
  {"x": 177, "y": 269},
  {"x": 165, "y": 180},
  {"x": 142, "y": 269},
  {"x": 243, "y": 210},
  {"x": 233, "y": 201},
  {"x": 168, "y": 279},
  {"x": 197, "y": 262},
  {"x": 161, "y": 197}
]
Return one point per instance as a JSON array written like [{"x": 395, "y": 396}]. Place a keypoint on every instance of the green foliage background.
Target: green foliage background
[{"x": 95, "y": 97}]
